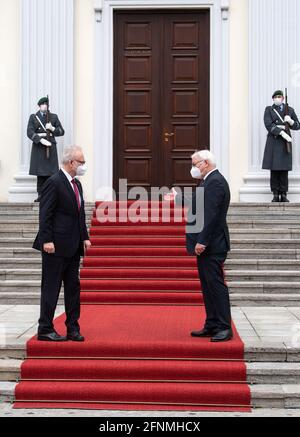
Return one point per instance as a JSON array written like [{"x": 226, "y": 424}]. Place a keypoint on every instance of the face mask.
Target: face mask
[
  {"x": 43, "y": 108},
  {"x": 278, "y": 101},
  {"x": 81, "y": 170},
  {"x": 196, "y": 173}
]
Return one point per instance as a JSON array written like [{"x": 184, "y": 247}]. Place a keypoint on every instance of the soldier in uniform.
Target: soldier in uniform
[
  {"x": 277, "y": 158},
  {"x": 42, "y": 129}
]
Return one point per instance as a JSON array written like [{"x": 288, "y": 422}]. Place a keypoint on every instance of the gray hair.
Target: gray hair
[
  {"x": 205, "y": 155},
  {"x": 69, "y": 153}
]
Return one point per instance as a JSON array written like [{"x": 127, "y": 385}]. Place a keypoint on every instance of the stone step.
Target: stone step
[
  {"x": 235, "y": 234},
  {"x": 257, "y": 373},
  {"x": 262, "y": 279},
  {"x": 235, "y": 287},
  {"x": 30, "y": 222},
  {"x": 273, "y": 373},
  {"x": 20, "y": 252},
  {"x": 263, "y": 224},
  {"x": 265, "y": 243},
  {"x": 31, "y": 296},
  {"x": 235, "y": 254},
  {"x": 7, "y": 391},
  {"x": 275, "y": 396},
  {"x": 280, "y": 244},
  {"x": 260, "y": 264},
  {"x": 262, "y": 254},
  {"x": 255, "y": 352},
  {"x": 280, "y": 233},
  {"x": 10, "y": 369},
  {"x": 262, "y": 395},
  {"x": 30, "y": 263},
  {"x": 253, "y": 243},
  {"x": 264, "y": 300}
]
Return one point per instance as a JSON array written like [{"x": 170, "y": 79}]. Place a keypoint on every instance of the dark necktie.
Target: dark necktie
[{"x": 76, "y": 191}]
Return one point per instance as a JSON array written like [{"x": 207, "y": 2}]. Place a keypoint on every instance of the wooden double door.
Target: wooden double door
[{"x": 161, "y": 95}]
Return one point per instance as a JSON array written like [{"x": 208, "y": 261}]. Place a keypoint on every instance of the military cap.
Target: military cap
[
  {"x": 42, "y": 101},
  {"x": 277, "y": 93}
]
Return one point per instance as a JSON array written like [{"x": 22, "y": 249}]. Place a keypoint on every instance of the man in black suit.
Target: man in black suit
[
  {"x": 62, "y": 239},
  {"x": 211, "y": 246}
]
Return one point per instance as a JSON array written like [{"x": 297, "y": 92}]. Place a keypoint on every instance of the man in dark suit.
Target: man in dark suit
[
  {"x": 211, "y": 246},
  {"x": 62, "y": 239}
]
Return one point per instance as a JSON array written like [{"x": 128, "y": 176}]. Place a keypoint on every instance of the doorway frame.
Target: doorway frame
[{"x": 104, "y": 81}]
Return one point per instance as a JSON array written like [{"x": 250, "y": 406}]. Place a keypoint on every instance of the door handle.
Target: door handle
[{"x": 168, "y": 136}]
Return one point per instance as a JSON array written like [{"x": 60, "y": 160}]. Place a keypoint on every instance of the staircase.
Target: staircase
[{"x": 262, "y": 270}]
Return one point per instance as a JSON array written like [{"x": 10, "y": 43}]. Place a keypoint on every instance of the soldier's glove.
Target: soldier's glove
[
  {"x": 50, "y": 127},
  {"x": 45, "y": 142},
  {"x": 285, "y": 136},
  {"x": 289, "y": 120}
]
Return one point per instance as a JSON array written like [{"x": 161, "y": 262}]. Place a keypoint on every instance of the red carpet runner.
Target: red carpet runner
[{"x": 141, "y": 299}]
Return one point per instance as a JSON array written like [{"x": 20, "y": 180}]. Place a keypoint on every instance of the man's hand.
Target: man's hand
[
  {"x": 49, "y": 248},
  {"x": 199, "y": 249},
  {"x": 50, "y": 127},
  {"x": 289, "y": 120},
  {"x": 171, "y": 196},
  {"x": 87, "y": 244}
]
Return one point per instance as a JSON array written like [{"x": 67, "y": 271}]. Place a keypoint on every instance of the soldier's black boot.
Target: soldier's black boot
[
  {"x": 276, "y": 197},
  {"x": 284, "y": 199}
]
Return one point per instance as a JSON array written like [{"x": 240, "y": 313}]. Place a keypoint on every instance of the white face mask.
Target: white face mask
[
  {"x": 278, "y": 101},
  {"x": 81, "y": 170},
  {"x": 43, "y": 108},
  {"x": 196, "y": 173}
]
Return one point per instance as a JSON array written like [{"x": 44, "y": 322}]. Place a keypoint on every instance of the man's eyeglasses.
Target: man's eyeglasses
[{"x": 197, "y": 163}]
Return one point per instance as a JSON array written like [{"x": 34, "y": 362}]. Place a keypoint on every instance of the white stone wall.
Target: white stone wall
[
  {"x": 274, "y": 63},
  {"x": 239, "y": 96},
  {"x": 79, "y": 96},
  {"x": 10, "y": 93}
]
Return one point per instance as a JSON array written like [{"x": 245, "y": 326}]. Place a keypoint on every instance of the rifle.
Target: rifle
[
  {"x": 287, "y": 126},
  {"x": 48, "y": 120}
]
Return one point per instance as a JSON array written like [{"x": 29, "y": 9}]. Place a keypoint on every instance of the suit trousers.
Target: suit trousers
[
  {"x": 55, "y": 271},
  {"x": 215, "y": 291},
  {"x": 40, "y": 183},
  {"x": 279, "y": 181}
]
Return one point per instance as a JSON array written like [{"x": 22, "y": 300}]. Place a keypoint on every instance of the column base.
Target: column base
[
  {"x": 23, "y": 190},
  {"x": 257, "y": 189}
]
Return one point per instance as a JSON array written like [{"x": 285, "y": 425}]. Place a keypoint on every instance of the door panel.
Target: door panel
[{"x": 161, "y": 100}]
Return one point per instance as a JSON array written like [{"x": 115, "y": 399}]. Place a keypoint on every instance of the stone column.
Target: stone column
[
  {"x": 47, "y": 68},
  {"x": 273, "y": 64}
]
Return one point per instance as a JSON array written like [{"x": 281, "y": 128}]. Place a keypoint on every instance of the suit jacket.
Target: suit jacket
[
  {"x": 60, "y": 220},
  {"x": 215, "y": 233}
]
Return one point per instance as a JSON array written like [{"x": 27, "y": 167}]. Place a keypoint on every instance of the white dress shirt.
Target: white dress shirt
[{"x": 215, "y": 169}]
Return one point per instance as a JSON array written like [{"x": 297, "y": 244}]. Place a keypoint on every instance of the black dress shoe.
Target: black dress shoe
[
  {"x": 284, "y": 199},
  {"x": 222, "y": 336},
  {"x": 75, "y": 336},
  {"x": 53, "y": 336},
  {"x": 203, "y": 333},
  {"x": 276, "y": 198}
]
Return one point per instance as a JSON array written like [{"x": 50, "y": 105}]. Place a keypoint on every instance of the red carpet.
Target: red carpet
[{"x": 141, "y": 298}]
